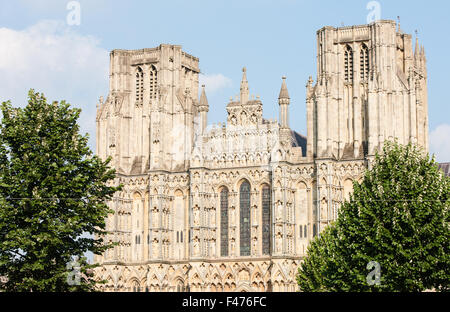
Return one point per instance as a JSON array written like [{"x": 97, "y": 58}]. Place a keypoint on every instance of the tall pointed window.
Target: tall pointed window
[
  {"x": 266, "y": 220},
  {"x": 178, "y": 223},
  {"x": 153, "y": 81},
  {"x": 139, "y": 85},
  {"x": 348, "y": 64},
  {"x": 224, "y": 222},
  {"x": 364, "y": 62},
  {"x": 244, "y": 200}
]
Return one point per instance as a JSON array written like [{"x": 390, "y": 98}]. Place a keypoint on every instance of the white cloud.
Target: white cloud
[
  {"x": 214, "y": 82},
  {"x": 51, "y": 57},
  {"x": 440, "y": 142}
]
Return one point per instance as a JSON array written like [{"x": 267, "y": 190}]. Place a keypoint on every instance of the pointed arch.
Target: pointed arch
[
  {"x": 364, "y": 62},
  {"x": 266, "y": 204},
  {"x": 179, "y": 284},
  {"x": 134, "y": 285},
  {"x": 153, "y": 82},
  {"x": 139, "y": 84},
  {"x": 179, "y": 224},
  {"x": 303, "y": 204},
  {"x": 224, "y": 221},
  {"x": 348, "y": 63},
  {"x": 348, "y": 188},
  {"x": 137, "y": 223},
  {"x": 244, "y": 207}
]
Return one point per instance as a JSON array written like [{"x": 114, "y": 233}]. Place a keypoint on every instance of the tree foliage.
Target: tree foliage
[
  {"x": 397, "y": 216},
  {"x": 52, "y": 197}
]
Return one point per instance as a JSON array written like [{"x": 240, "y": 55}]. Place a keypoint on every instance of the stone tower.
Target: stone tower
[
  {"x": 153, "y": 93},
  {"x": 147, "y": 126},
  {"x": 233, "y": 206},
  {"x": 371, "y": 87}
]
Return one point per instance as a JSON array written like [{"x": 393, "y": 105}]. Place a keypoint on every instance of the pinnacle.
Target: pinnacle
[
  {"x": 284, "y": 94},
  {"x": 203, "y": 98}
]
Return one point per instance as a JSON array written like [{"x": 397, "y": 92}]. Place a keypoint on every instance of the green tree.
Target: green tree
[
  {"x": 397, "y": 216},
  {"x": 53, "y": 195}
]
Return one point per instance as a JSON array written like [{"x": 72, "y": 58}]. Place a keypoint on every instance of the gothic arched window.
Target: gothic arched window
[
  {"x": 139, "y": 85},
  {"x": 348, "y": 64},
  {"x": 224, "y": 222},
  {"x": 153, "y": 80},
  {"x": 136, "y": 286},
  {"x": 178, "y": 223},
  {"x": 266, "y": 204},
  {"x": 364, "y": 62},
  {"x": 244, "y": 199}
]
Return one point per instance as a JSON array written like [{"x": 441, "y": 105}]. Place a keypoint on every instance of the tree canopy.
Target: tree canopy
[
  {"x": 398, "y": 216},
  {"x": 53, "y": 194}
]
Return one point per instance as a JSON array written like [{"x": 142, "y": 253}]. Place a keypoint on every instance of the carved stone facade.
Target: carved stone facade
[{"x": 232, "y": 207}]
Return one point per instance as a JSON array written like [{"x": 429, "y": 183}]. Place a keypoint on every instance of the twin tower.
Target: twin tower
[
  {"x": 234, "y": 206},
  {"x": 371, "y": 86}
]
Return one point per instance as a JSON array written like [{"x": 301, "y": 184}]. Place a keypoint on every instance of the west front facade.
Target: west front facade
[{"x": 232, "y": 206}]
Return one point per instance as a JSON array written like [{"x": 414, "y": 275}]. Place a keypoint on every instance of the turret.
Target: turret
[
  {"x": 203, "y": 109},
  {"x": 244, "y": 87},
  {"x": 283, "y": 101}
]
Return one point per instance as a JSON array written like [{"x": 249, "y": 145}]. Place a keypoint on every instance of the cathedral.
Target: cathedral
[{"x": 232, "y": 206}]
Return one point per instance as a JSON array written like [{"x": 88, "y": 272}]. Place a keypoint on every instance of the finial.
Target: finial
[
  {"x": 416, "y": 50},
  {"x": 398, "y": 18},
  {"x": 283, "y": 92},
  {"x": 203, "y": 85},
  {"x": 244, "y": 69}
]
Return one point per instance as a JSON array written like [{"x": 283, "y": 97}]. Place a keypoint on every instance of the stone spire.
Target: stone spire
[
  {"x": 203, "y": 100},
  {"x": 417, "y": 49},
  {"x": 283, "y": 101},
  {"x": 244, "y": 87},
  {"x": 399, "y": 28},
  {"x": 284, "y": 91},
  {"x": 203, "y": 108}
]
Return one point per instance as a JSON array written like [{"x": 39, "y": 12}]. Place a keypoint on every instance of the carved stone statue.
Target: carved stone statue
[
  {"x": 196, "y": 247},
  {"x": 196, "y": 216},
  {"x": 278, "y": 243},
  {"x": 279, "y": 211},
  {"x": 213, "y": 248}
]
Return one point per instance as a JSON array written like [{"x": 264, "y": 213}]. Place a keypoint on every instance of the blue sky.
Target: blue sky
[{"x": 38, "y": 49}]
